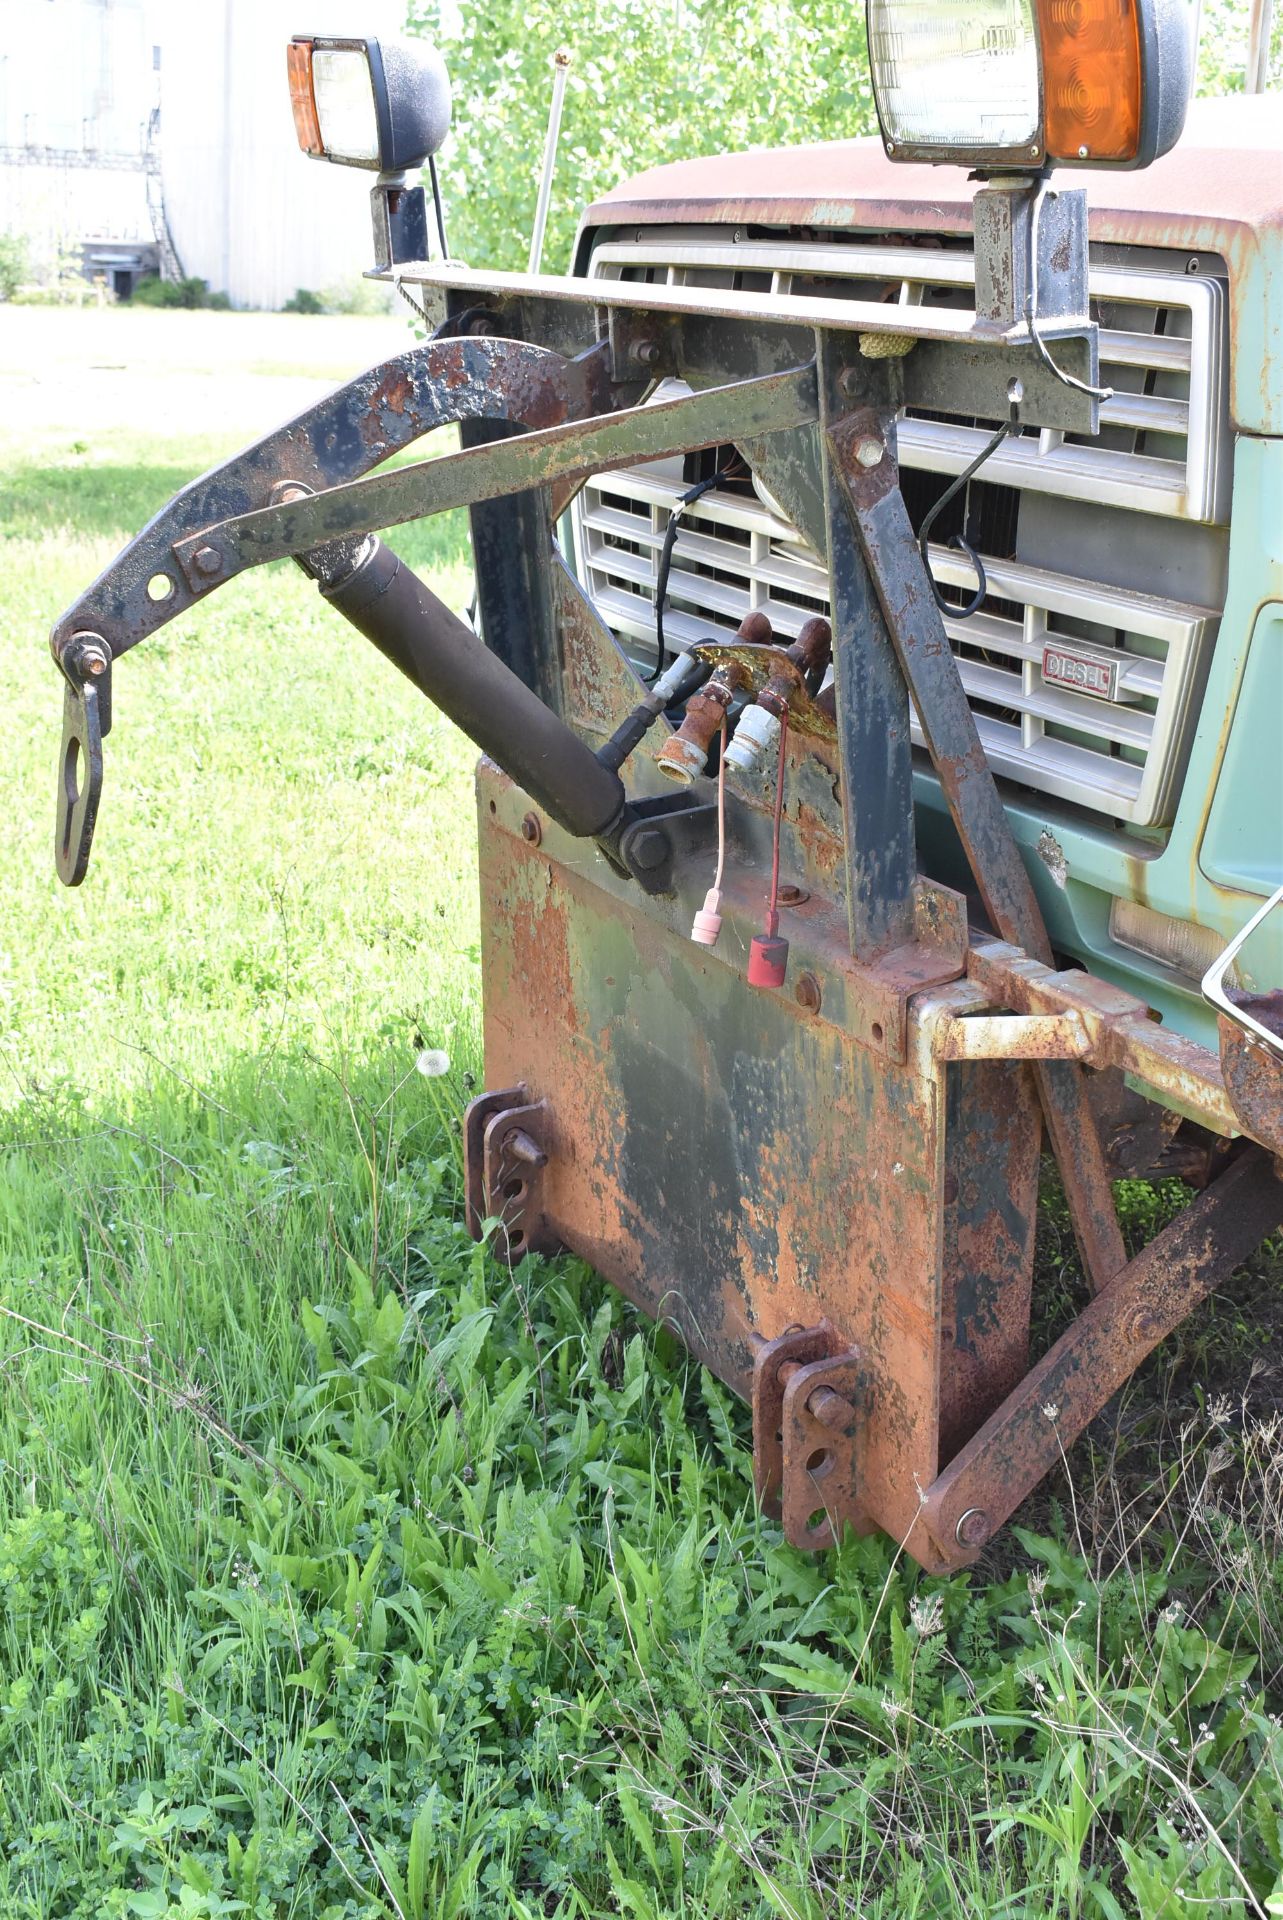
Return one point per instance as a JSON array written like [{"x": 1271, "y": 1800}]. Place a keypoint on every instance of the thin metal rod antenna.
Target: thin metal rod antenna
[
  {"x": 560, "y": 68},
  {"x": 1259, "y": 34}
]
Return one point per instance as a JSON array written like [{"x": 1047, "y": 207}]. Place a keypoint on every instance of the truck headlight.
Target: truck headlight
[
  {"x": 1030, "y": 83},
  {"x": 382, "y": 104}
]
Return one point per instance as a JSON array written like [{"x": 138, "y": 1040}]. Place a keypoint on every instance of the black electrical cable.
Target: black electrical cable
[
  {"x": 686, "y": 500},
  {"x": 436, "y": 201},
  {"x": 959, "y": 539}
]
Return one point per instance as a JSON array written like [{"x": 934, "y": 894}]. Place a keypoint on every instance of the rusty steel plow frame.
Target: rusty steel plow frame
[{"x": 830, "y": 1191}]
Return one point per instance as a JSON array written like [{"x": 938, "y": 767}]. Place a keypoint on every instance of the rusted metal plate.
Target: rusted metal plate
[
  {"x": 820, "y": 1419},
  {"x": 776, "y": 1458},
  {"x": 736, "y": 1163}
]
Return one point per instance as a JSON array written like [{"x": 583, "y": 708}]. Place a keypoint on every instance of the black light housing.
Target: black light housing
[{"x": 379, "y": 104}]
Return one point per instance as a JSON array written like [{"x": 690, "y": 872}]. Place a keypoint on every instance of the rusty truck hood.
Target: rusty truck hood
[{"x": 1220, "y": 191}]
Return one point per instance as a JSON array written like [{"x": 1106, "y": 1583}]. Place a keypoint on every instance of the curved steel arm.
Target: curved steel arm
[
  {"x": 769, "y": 404},
  {"x": 337, "y": 440}
]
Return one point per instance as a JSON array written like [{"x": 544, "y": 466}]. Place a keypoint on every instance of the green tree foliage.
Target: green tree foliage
[
  {"x": 1222, "y": 48},
  {"x": 14, "y": 263},
  {"x": 648, "y": 84}
]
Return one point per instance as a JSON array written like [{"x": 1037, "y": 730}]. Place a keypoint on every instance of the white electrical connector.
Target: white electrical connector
[
  {"x": 755, "y": 736},
  {"x": 676, "y": 678},
  {"x": 707, "y": 923}
]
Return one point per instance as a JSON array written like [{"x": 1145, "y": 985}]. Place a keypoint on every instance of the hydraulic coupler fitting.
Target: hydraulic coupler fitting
[
  {"x": 758, "y": 731},
  {"x": 680, "y": 678},
  {"x": 684, "y": 754}
]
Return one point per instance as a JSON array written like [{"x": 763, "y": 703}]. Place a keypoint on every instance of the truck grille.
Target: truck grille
[{"x": 1163, "y": 452}]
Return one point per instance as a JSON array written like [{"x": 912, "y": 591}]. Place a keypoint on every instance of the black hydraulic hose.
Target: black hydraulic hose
[
  {"x": 687, "y": 499},
  {"x": 390, "y": 605}
]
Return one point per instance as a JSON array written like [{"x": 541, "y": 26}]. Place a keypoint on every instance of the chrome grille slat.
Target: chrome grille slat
[
  {"x": 1193, "y": 488},
  {"x": 1121, "y": 757}
]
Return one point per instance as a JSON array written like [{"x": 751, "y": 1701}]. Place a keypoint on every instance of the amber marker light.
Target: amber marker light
[
  {"x": 1092, "y": 82},
  {"x": 302, "y": 98},
  {"x": 1022, "y": 85}
]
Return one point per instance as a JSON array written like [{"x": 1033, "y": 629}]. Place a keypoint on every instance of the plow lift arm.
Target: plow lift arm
[{"x": 832, "y": 1196}]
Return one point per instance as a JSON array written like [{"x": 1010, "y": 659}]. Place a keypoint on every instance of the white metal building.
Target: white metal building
[
  {"x": 248, "y": 212},
  {"x": 125, "y": 123}
]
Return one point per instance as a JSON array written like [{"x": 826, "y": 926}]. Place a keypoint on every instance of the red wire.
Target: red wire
[{"x": 772, "y": 911}]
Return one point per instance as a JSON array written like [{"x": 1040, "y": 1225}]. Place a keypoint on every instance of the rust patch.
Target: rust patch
[{"x": 394, "y": 392}]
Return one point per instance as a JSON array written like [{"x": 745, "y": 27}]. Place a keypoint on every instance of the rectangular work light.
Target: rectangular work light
[
  {"x": 384, "y": 104},
  {"x": 1027, "y": 84}
]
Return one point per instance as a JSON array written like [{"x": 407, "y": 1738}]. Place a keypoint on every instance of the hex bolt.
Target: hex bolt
[
  {"x": 807, "y": 993},
  {"x": 531, "y": 829},
  {"x": 647, "y": 353},
  {"x": 869, "y": 453},
  {"x": 792, "y": 896},
  {"x": 973, "y": 1528},
  {"x": 95, "y": 661},
  {"x": 207, "y": 560},
  {"x": 648, "y": 849},
  {"x": 520, "y": 1145}
]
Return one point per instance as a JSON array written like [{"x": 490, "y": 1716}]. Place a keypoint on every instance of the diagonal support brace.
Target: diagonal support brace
[{"x": 861, "y": 453}]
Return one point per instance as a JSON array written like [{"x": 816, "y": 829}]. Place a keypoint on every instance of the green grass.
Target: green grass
[{"x": 343, "y": 1574}]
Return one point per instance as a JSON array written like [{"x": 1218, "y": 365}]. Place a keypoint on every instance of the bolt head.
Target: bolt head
[
  {"x": 646, "y": 352},
  {"x": 648, "y": 849},
  {"x": 207, "y": 560},
  {"x": 1144, "y": 1325},
  {"x": 532, "y": 829},
  {"x": 869, "y": 453},
  {"x": 807, "y": 993},
  {"x": 973, "y": 1528},
  {"x": 95, "y": 661}
]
